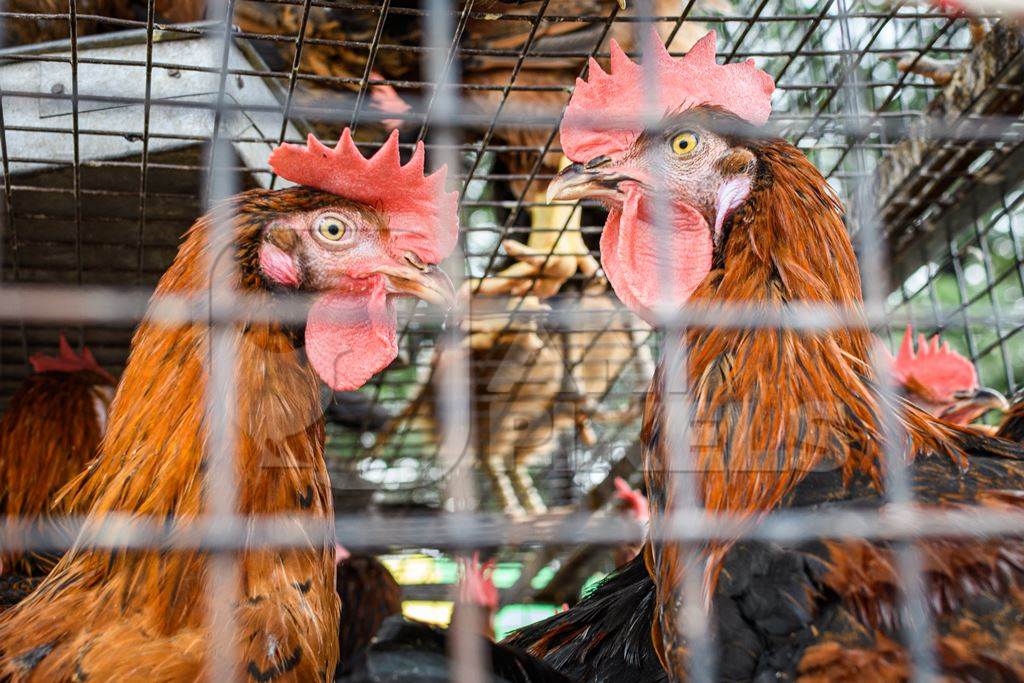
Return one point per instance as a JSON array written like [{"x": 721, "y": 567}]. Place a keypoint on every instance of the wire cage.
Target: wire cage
[{"x": 503, "y": 425}]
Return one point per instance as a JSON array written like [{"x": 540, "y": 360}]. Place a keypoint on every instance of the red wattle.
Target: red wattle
[
  {"x": 636, "y": 258},
  {"x": 350, "y": 337}
]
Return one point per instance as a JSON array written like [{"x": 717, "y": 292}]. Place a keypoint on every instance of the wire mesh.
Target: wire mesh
[{"x": 118, "y": 131}]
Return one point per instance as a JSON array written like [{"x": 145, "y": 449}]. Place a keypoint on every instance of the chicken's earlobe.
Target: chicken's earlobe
[
  {"x": 278, "y": 266},
  {"x": 731, "y": 195}
]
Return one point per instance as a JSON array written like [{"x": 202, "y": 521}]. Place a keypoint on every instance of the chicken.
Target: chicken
[
  {"x": 941, "y": 382},
  {"x": 49, "y": 432},
  {"x": 518, "y": 375},
  {"x": 354, "y": 234},
  {"x": 369, "y": 595},
  {"x": 1012, "y": 425},
  {"x": 633, "y": 503},
  {"x": 778, "y": 417},
  {"x": 941, "y": 71},
  {"x": 404, "y": 649},
  {"x": 532, "y": 383},
  {"x": 23, "y": 30},
  {"x": 476, "y": 591},
  {"x": 407, "y": 650}
]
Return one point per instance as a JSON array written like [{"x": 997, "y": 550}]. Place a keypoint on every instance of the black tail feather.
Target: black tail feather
[
  {"x": 405, "y": 650},
  {"x": 604, "y": 638}
]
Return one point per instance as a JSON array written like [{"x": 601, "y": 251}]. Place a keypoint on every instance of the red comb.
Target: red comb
[
  {"x": 422, "y": 217},
  {"x": 934, "y": 365},
  {"x": 69, "y": 361},
  {"x": 476, "y": 585},
  {"x": 681, "y": 84},
  {"x": 634, "y": 499},
  {"x": 951, "y": 7}
]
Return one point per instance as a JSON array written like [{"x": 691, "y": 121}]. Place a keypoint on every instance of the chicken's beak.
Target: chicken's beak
[
  {"x": 969, "y": 408},
  {"x": 415, "y": 278},
  {"x": 595, "y": 179}
]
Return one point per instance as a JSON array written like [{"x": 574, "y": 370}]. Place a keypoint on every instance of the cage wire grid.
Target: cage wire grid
[{"x": 840, "y": 98}]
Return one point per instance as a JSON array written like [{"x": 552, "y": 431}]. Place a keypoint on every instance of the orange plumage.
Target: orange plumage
[
  {"x": 782, "y": 417},
  {"x": 119, "y": 615},
  {"x": 773, "y": 405},
  {"x": 49, "y": 432}
]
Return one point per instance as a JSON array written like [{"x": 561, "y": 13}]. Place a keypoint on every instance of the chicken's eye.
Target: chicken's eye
[
  {"x": 331, "y": 228},
  {"x": 684, "y": 143}
]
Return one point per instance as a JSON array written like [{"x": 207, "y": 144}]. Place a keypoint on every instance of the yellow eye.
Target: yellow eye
[
  {"x": 684, "y": 143},
  {"x": 331, "y": 228}
]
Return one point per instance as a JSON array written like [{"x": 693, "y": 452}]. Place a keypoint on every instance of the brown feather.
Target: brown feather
[
  {"x": 119, "y": 615},
  {"x": 28, "y": 31},
  {"x": 772, "y": 405},
  {"x": 1012, "y": 426},
  {"x": 49, "y": 432},
  {"x": 832, "y": 660},
  {"x": 369, "y": 595}
]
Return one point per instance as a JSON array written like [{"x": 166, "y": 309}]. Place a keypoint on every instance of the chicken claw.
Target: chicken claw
[
  {"x": 554, "y": 252},
  {"x": 540, "y": 272},
  {"x": 940, "y": 71}
]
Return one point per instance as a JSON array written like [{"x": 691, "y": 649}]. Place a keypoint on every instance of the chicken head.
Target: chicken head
[{"x": 375, "y": 230}]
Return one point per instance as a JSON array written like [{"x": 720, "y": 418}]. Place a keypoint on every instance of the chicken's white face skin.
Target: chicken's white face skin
[
  {"x": 341, "y": 252},
  {"x": 343, "y": 248},
  {"x": 693, "y": 163}
]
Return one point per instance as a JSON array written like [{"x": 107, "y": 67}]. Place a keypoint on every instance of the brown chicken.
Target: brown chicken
[
  {"x": 369, "y": 595},
  {"x": 354, "y": 234},
  {"x": 517, "y": 381},
  {"x": 942, "y": 71},
  {"x": 50, "y": 431},
  {"x": 476, "y": 591},
  {"x": 25, "y": 30},
  {"x": 779, "y": 417},
  {"x": 940, "y": 381},
  {"x": 531, "y": 385},
  {"x": 1012, "y": 425}
]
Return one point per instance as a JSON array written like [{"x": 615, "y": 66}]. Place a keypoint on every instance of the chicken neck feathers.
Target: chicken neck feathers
[
  {"x": 770, "y": 405},
  {"x": 119, "y": 614},
  {"x": 49, "y": 432},
  {"x": 792, "y": 418}
]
